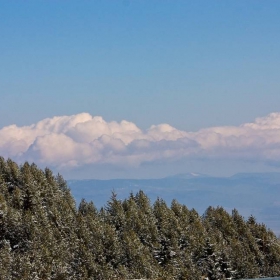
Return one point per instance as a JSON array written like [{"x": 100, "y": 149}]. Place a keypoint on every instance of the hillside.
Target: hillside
[{"x": 44, "y": 235}]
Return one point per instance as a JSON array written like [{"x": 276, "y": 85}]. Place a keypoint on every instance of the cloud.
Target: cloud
[{"x": 78, "y": 140}]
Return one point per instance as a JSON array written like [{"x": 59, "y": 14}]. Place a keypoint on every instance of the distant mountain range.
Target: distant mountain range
[
  {"x": 256, "y": 194},
  {"x": 188, "y": 176}
]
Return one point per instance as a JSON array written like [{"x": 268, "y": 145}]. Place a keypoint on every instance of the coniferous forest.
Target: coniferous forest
[{"x": 45, "y": 235}]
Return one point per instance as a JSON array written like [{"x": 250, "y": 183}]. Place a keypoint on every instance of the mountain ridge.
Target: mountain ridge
[{"x": 255, "y": 194}]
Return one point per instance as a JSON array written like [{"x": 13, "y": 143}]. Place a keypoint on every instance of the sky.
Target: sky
[{"x": 141, "y": 89}]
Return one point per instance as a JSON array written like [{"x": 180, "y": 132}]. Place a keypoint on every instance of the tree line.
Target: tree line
[{"x": 45, "y": 235}]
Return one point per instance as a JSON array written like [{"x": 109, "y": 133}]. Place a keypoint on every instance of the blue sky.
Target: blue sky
[{"x": 190, "y": 64}]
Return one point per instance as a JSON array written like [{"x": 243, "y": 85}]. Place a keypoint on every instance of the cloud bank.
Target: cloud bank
[{"x": 78, "y": 140}]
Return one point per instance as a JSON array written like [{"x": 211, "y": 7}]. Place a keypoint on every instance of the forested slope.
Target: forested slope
[{"x": 43, "y": 235}]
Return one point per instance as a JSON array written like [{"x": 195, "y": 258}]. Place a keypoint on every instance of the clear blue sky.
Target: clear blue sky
[{"x": 191, "y": 64}]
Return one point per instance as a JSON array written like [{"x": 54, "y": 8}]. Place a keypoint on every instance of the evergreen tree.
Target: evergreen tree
[{"x": 43, "y": 235}]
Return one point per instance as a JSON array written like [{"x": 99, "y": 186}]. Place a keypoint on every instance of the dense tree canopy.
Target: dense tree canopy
[{"x": 43, "y": 235}]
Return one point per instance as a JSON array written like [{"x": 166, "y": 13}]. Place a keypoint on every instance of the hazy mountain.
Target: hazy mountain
[
  {"x": 255, "y": 194},
  {"x": 188, "y": 175}
]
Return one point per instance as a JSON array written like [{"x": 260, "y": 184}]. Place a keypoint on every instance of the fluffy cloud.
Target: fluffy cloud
[{"x": 71, "y": 141}]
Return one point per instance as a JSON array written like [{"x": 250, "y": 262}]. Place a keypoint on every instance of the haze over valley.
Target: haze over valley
[{"x": 256, "y": 194}]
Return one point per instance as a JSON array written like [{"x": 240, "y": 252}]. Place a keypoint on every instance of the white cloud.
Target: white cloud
[{"x": 70, "y": 141}]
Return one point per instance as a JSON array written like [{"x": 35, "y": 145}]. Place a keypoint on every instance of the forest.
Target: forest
[{"x": 45, "y": 235}]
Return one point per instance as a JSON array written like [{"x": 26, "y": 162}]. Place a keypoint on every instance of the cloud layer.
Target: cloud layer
[{"x": 72, "y": 141}]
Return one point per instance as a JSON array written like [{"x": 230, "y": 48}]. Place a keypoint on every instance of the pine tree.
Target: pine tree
[{"x": 43, "y": 235}]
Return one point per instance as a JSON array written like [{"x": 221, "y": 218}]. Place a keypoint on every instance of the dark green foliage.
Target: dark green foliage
[{"x": 43, "y": 235}]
